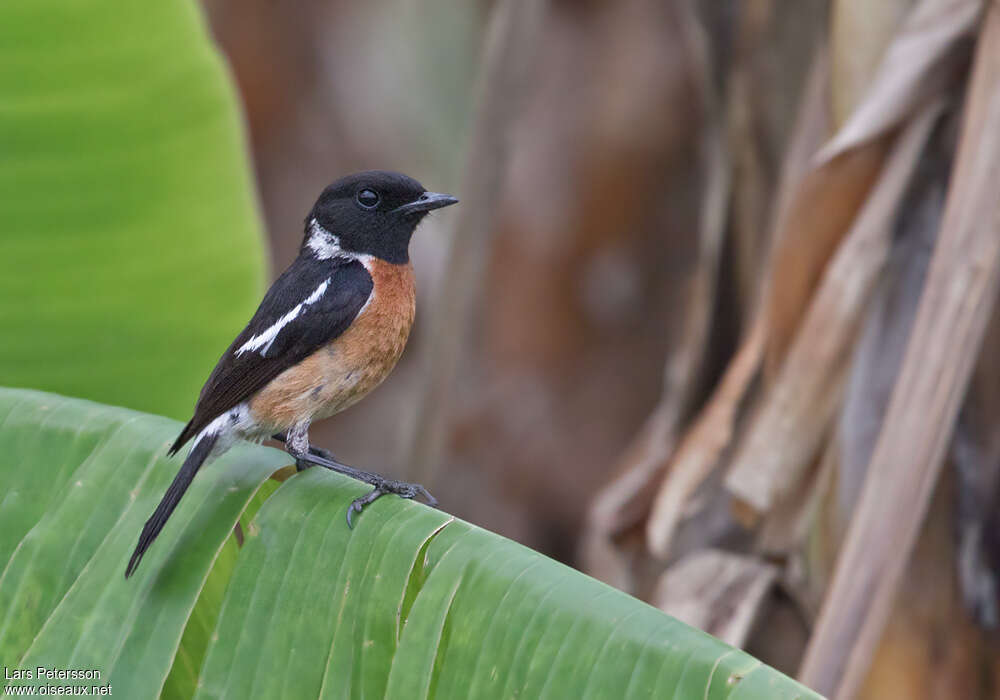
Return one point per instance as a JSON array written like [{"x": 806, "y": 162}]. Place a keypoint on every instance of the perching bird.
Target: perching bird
[{"x": 328, "y": 331}]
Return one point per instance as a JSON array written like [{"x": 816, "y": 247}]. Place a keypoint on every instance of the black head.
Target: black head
[{"x": 373, "y": 212}]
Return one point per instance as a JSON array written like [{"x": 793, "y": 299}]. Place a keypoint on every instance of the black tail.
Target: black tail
[{"x": 199, "y": 453}]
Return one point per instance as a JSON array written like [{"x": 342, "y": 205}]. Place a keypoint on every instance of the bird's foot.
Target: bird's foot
[
  {"x": 307, "y": 458},
  {"x": 302, "y": 464},
  {"x": 403, "y": 489}
]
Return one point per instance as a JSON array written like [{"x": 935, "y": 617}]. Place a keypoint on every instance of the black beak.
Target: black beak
[{"x": 427, "y": 202}]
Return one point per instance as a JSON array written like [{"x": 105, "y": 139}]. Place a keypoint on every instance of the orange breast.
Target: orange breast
[{"x": 341, "y": 373}]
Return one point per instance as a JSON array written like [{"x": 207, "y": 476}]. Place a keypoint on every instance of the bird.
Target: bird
[{"x": 330, "y": 328}]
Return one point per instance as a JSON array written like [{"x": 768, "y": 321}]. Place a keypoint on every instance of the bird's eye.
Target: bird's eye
[{"x": 368, "y": 198}]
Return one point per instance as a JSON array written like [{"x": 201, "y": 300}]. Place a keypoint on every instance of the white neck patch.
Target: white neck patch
[
  {"x": 322, "y": 243},
  {"x": 326, "y": 245}
]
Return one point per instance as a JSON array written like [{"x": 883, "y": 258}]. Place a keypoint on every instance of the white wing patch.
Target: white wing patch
[{"x": 262, "y": 341}]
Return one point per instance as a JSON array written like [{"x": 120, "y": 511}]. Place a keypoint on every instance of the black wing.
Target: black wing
[{"x": 313, "y": 302}]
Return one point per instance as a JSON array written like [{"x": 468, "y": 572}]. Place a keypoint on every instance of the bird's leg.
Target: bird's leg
[
  {"x": 302, "y": 465},
  {"x": 297, "y": 444}
]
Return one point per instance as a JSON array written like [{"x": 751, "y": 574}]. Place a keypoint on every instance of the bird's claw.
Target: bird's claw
[
  {"x": 431, "y": 501},
  {"x": 403, "y": 489}
]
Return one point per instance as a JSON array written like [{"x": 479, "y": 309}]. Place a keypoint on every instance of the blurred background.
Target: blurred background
[
  {"x": 658, "y": 338},
  {"x": 714, "y": 321}
]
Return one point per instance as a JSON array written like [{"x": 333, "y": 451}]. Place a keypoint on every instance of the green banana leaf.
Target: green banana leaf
[
  {"x": 411, "y": 603},
  {"x": 130, "y": 246}
]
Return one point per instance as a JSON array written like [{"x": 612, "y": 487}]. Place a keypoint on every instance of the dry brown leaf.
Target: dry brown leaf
[
  {"x": 878, "y": 352},
  {"x": 788, "y": 524},
  {"x": 797, "y": 410},
  {"x": 718, "y": 592},
  {"x": 705, "y": 443},
  {"x": 813, "y": 208},
  {"x": 825, "y": 203},
  {"x": 956, "y": 304},
  {"x": 710, "y": 437},
  {"x": 917, "y": 66},
  {"x": 812, "y": 125},
  {"x": 860, "y": 31}
]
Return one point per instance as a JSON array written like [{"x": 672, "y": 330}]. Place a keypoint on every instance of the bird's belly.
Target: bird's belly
[{"x": 342, "y": 372}]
